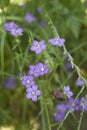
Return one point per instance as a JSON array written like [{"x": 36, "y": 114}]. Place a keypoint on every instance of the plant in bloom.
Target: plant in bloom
[
  {"x": 16, "y": 32},
  {"x": 39, "y": 10},
  {"x": 60, "y": 112},
  {"x": 9, "y": 83},
  {"x": 13, "y": 28},
  {"x": 56, "y": 41},
  {"x": 79, "y": 105},
  {"x": 38, "y": 70},
  {"x": 67, "y": 91},
  {"x": 79, "y": 82},
  {"x": 42, "y": 23},
  {"x": 27, "y": 81},
  {"x": 10, "y": 25},
  {"x": 29, "y": 17},
  {"x": 68, "y": 65},
  {"x": 33, "y": 93},
  {"x": 23, "y": 6},
  {"x": 38, "y": 46},
  {"x": 83, "y": 104}
]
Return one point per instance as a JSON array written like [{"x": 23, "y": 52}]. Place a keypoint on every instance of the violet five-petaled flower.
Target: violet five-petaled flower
[
  {"x": 38, "y": 46},
  {"x": 27, "y": 81},
  {"x": 38, "y": 70},
  {"x": 29, "y": 17},
  {"x": 79, "y": 82},
  {"x": 67, "y": 91},
  {"x": 56, "y": 41},
  {"x": 33, "y": 92}
]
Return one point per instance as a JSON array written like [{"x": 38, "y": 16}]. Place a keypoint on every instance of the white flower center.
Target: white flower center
[
  {"x": 38, "y": 46},
  {"x": 57, "y": 41},
  {"x": 33, "y": 93},
  {"x": 27, "y": 81},
  {"x": 42, "y": 69}
]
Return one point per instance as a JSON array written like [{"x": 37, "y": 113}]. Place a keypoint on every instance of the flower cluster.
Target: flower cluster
[
  {"x": 13, "y": 28},
  {"x": 61, "y": 109},
  {"x": 38, "y": 70},
  {"x": 28, "y": 81}
]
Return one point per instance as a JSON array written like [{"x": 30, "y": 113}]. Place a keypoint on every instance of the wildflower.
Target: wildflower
[
  {"x": 39, "y": 10},
  {"x": 79, "y": 82},
  {"x": 68, "y": 92},
  {"x": 33, "y": 92},
  {"x": 42, "y": 23},
  {"x": 9, "y": 83},
  {"x": 57, "y": 41},
  {"x": 38, "y": 70},
  {"x": 60, "y": 112},
  {"x": 68, "y": 65},
  {"x": 83, "y": 104},
  {"x": 59, "y": 116},
  {"x": 23, "y": 6},
  {"x": 9, "y": 26},
  {"x": 27, "y": 81},
  {"x": 16, "y": 32},
  {"x": 13, "y": 28},
  {"x": 29, "y": 17},
  {"x": 77, "y": 105},
  {"x": 33, "y": 71},
  {"x": 38, "y": 46}
]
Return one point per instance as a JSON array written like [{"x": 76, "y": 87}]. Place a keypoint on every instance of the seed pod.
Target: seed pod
[{"x": 57, "y": 94}]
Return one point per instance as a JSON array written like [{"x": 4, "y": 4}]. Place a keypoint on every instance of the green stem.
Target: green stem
[
  {"x": 43, "y": 114},
  {"x": 2, "y": 51}
]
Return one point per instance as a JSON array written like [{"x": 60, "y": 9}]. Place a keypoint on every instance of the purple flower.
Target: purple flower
[
  {"x": 42, "y": 23},
  {"x": 68, "y": 92},
  {"x": 68, "y": 65},
  {"x": 61, "y": 107},
  {"x": 9, "y": 83},
  {"x": 16, "y": 32},
  {"x": 13, "y": 28},
  {"x": 77, "y": 106},
  {"x": 33, "y": 71},
  {"x": 60, "y": 112},
  {"x": 83, "y": 103},
  {"x": 79, "y": 82},
  {"x": 57, "y": 41},
  {"x": 23, "y": 6},
  {"x": 29, "y": 17},
  {"x": 38, "y": 46},
  {"x": 38, "y": 70},
  {"x": 42, "y": 69},
  {"x": 27, "y": 81},
  {"x": 39, "y": 10},
  {"x": 69, "y": 103},
  {"x": 9, "y": 26},
  {"x": 33, "y": 92},
  {"x": 59, "y": 116}
]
